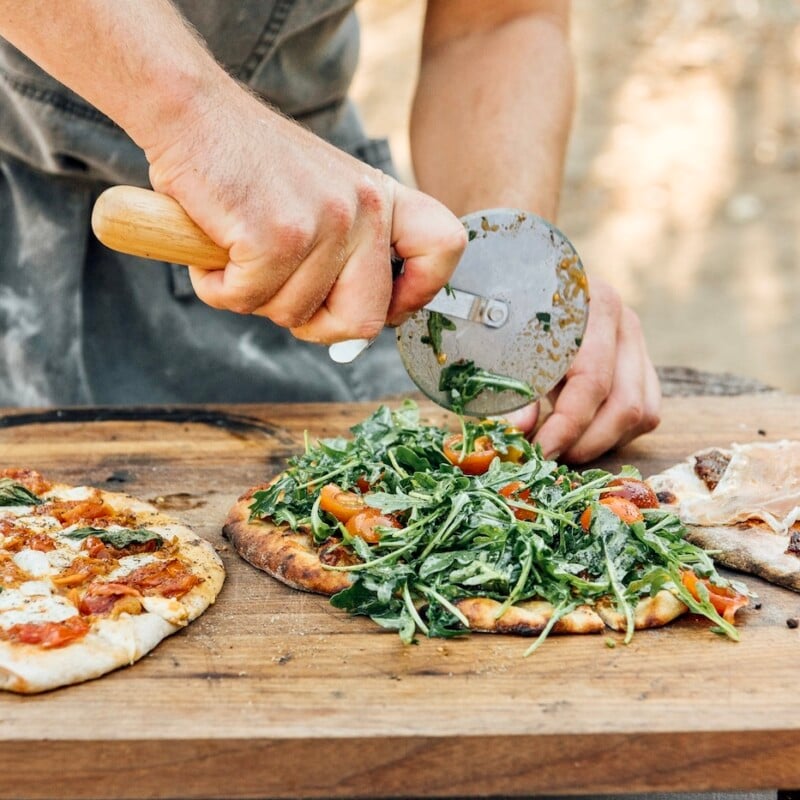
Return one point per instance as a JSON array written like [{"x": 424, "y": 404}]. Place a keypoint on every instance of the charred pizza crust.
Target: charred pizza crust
[
  {"x": 113, "y": 640},
  {"x": 291, "y": 557},
  {"x": 750, "y": 547}
]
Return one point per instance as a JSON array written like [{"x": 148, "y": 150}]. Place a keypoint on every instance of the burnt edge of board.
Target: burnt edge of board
[{"x": 238, "y": 423}]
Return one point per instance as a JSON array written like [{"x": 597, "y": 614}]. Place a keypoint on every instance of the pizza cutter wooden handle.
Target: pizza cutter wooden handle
[{"x": 144, "y": 223}]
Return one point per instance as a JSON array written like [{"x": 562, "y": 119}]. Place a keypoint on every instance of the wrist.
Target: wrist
[{"x": 174, "y": 96}]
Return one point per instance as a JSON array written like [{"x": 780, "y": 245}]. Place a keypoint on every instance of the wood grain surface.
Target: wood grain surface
[{"x": 273, "y": 693}]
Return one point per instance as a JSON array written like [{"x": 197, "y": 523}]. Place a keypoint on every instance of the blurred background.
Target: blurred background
[{"x": 682, "y": 180}]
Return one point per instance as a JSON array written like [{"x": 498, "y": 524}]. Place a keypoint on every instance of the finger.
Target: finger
[
  {"x": 307, "y": 289},
  {"x": 240, "y": 288},
  {"x": 431, "y": 239},
  {"x": 524, "y": 418},
  {"x": 631, "y": 407},
  {"x": 588, "y": 381},
  {"x": 356, "y": 306},
  {"x": 651, "y": 416}
]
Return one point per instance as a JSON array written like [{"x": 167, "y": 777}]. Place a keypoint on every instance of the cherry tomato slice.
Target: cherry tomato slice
[
  {"x": 623, "y": 508},
  {"x": 474, "y": 463},
  {"x": 365, "y": 523},
  {"x": 725, "y": 600},
  {"x": 340, "y": 503},
  {"x": 48, "y": 635},
  {"x": 638, "y": 492},
  {"x": 517, "y": 491}
]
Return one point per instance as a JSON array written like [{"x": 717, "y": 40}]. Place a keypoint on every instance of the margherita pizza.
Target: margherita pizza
[
  {"x": 742, "y": 503},
  {"x": 90, "y": 581},
  {"x": 427, "y": 531}
]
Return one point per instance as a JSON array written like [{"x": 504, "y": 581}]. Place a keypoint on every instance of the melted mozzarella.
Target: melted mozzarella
[
  {"x": 167, "y": 608},
  {"x": 761, "y": 481},
  {"x": 33, "y": 588},
  {"x": 60, "y": 559},
  {"x": 72, "y": 493},
  {"x": 17, "y": 608},
  {"x": 34, "y": 562},
  {"x": 128, "y": 564},
  {"x": 39, "y": 524},
  {"x": 15, "y": 511}
]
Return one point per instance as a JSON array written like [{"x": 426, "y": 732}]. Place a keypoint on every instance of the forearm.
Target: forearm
[
  {"x": 492, "y": 112},
  {"x": 135, "y": 60}
]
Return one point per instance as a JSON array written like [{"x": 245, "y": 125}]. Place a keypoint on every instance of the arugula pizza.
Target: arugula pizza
[
  {"x": 90, "y": 580},
  {"x": 428, "y": 531}
]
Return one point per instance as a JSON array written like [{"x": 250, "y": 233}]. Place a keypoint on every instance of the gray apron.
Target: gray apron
[{"x": 80, "y": 324}]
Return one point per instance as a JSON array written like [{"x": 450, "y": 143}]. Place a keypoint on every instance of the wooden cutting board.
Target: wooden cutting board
[{"x": 273, "y": 693}]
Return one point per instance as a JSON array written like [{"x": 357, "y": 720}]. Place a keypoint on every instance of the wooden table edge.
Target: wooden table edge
[{"x": 401, "y": 766}]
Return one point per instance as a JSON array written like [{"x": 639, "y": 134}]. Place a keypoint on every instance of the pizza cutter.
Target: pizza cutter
[
  {"x": 516, "y": 305},
  {"x": 519, "y": 303}
]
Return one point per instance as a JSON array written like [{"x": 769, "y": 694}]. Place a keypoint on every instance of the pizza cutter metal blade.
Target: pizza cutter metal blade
[{"x": 518, "y": 303}]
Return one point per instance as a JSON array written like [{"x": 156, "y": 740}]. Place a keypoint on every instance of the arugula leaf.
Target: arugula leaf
[
  {"x": 119, "y": 539},
  {"x": 14, "y": 494},
  {"x": 437, "y": 322},
  {"x": 463, "y": 382}
]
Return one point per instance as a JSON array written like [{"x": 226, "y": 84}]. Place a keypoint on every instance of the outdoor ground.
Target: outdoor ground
[{"x": 683, "y": 175}]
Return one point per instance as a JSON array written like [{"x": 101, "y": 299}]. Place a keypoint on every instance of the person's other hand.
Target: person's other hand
[
  {"x": 610, "y": 394},
  {"x": 309, "y": 229}
]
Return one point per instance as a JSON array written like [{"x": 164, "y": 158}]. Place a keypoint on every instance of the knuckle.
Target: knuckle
[
  {"x": 650, "y": 420},
  {"x": 370, "y": 195},
  {"x": 295, "y": 238},
  {"x": 598, "y": 384},
  {"x": 241, "y": 305},
  {"x": 370, "y": 329},
  {"x": 339, "y": 216},
  {"x": 289, "y": 317},
  {"x": 456, "y": 240},
  {"x": 210, "y": 299},
  {"x": 307, "y": 333},
  {"x": 243, "y": 299},
  {"x": 633, "y": 415}
]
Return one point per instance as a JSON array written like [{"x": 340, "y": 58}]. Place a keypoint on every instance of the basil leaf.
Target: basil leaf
[
  {"x": 118, "y": 539},
  {"x": 14, "y": 494}
]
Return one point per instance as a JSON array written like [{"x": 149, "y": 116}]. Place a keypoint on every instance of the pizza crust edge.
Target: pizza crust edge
[
  {"x": 115, "y": 643},
  {"x": 290, "y": 557}
]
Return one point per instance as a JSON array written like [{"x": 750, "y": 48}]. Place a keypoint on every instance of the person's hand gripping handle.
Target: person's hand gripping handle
[{"x": 144, "y": 223}]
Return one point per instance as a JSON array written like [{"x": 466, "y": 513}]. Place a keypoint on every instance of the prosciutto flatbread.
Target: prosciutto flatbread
[{"x": 742, "y": 503}]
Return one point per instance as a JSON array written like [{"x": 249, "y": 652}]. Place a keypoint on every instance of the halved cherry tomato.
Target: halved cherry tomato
[
  {"x": 365, "y": 523},
  {"x": 725, "y": 600},
  {"x": 638, "y": 492},
  {"x": 517, "y": 490},
  {"x": 512, "y": 454},
  {"x": 47, "y": 635},
  {"x": 623, "y": 508},
  {"x": 474, "y": 463},
  {"x": 340, "y": 503}
]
